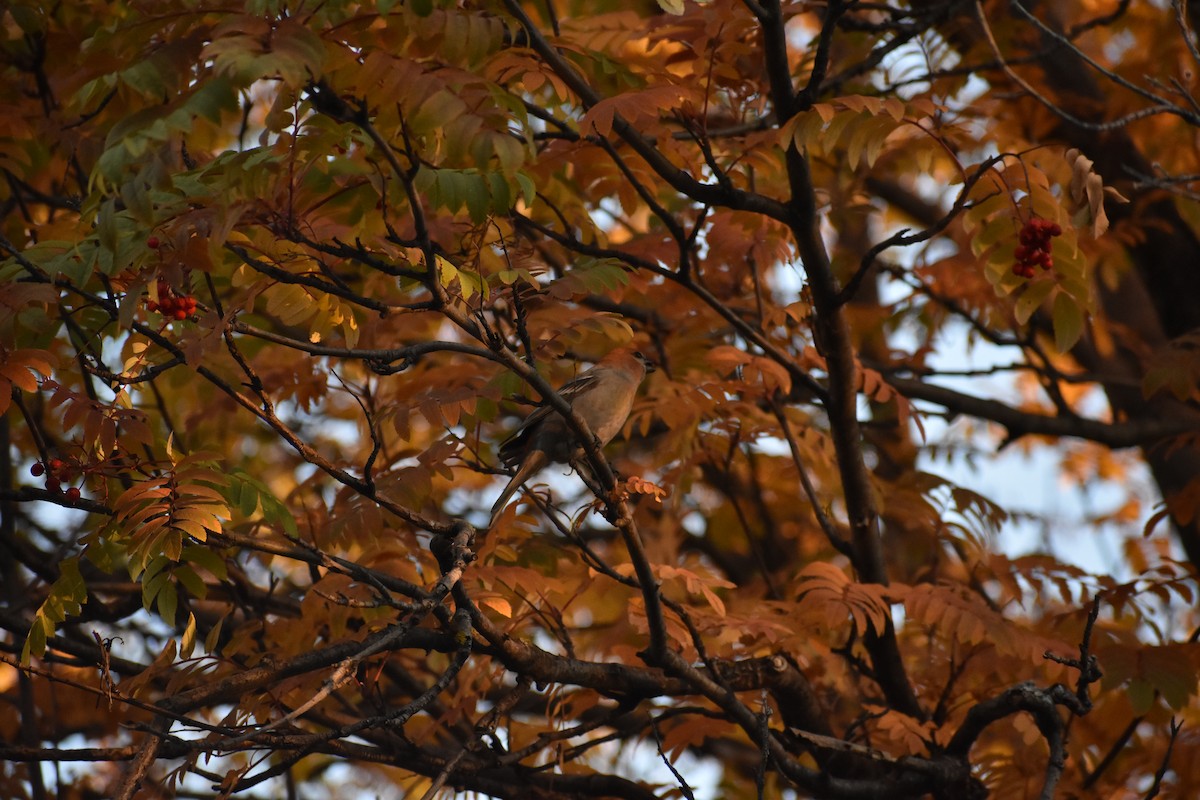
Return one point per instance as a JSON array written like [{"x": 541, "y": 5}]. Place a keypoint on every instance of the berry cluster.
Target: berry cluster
[
  {"x": 56, "y": 471},
  {"x": 1034, "y": 249},
  {"x": 170, "y": 304}
]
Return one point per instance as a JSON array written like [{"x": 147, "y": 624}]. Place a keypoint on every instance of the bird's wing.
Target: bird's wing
[
  {"x": 573, "y": 388},
  {"x": 512, "y": 448}
]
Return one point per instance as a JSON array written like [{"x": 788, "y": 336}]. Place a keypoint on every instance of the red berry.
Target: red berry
[
  {"x": 1037, "y": 231},
  {"x": 1034, "y": 250},
  {"x": 180, "y": 314},
  {"x": 52, "y": 484},
  {"x": 1023, "y": 269},
  {"x": 73, "y": 493},
  {"x": 56, "y": 464},
  {"x": 152, "y": 242},
  {"x": 38, "y": 469}
]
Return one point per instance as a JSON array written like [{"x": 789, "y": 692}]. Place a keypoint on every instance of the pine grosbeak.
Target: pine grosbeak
[{"x": 602, "y": 396}]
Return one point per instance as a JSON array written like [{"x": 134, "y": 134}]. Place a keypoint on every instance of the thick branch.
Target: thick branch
[{"x": 1134, "y": 433}]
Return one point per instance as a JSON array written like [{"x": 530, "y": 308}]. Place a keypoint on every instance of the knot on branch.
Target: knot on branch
[
  {"x": 382, "y": 366},
  {"x": 453, "y": 552}
]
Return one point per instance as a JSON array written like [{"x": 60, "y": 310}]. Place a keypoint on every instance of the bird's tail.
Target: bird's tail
[{"x": 529, "y": 467}]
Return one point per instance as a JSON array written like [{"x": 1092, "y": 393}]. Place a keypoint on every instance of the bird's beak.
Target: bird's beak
[{"x": 647, "y": 363}]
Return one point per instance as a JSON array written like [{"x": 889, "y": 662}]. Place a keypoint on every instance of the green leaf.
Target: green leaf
[
  {"x": 247, "y": 501},
  {"x": 600, "y": 274},
  {"x": 982, "y": 209},
  {"x": 1169, "y": 670},
  {"x": 528, "y": 188},
  {"x": 28, "y": 19},
  {"x": 478, "y": 198},
  {"x": 168, "y": 603},
  {"x": 191, "y": 581},
  {"x": 151, "y": 587},
  {"x": 501, "y": 192},
  {"x": 106, "y": 225},
  {"x": 35, "y": 642},
  {"x": 66, "y": 599},
  {"x": 436, "y": 111},
  {"x": 300, "y": 51},
  {"x": 277, "y": 513},
  {"x": 1068, "y": 322},
  {"x": 213, "y": 98},
  {"x": 206, "y": 559},
  {"x": 1141, "y": 695},
  {"x": 1031, "y": 299},
  {"x": 510, "y": 152}
]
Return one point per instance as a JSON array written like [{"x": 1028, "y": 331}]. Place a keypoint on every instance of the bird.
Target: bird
[{"x": 602, "y": 396}]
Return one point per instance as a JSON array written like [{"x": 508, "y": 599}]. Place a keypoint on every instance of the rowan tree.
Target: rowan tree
[{"x": 279, "y": 278}]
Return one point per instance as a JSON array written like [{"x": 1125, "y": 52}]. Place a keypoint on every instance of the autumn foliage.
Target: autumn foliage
[{"x": 278, "y": 278}]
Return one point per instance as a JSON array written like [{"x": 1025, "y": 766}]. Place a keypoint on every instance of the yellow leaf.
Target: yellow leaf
[
  {"x": 447, "y": 272},
  {"x": 499, "y": 605},
  {"x": 188, "y": 642}
]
